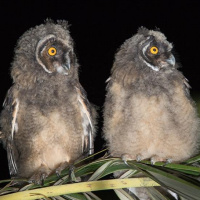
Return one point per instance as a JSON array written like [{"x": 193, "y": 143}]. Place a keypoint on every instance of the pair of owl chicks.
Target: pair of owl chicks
[{"x": 47, "y": 122}]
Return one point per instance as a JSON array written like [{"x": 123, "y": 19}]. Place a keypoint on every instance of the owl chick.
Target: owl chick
[
  {"x": 148, "y": 112},
  {"x": 47, "y": 121}
]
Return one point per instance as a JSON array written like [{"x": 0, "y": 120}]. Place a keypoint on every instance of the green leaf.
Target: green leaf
[
  {"x": 178, "y": 167},
  {"x": 93, "y": 196},
  {"x": 98, "y": 173},
  {"x": 115, "y": 164},
  {"x": 123, "y": 195},
  {"x": 155, "y": 194},
  {"x": 178, "y": 185},
  {"x": 5, "y": 181},
  {"x": 87, "y": 196},
  {"x": 61, "y": 180},
  {"x": 75, "y": 196},
  {"x": 128, "y": 174},
  {"x": 26, "y": 187},
  {"x": 58, "y": 198},
  {"x": 193, "y": 160}
]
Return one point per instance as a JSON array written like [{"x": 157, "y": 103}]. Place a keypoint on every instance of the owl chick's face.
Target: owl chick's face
[
  {"x": 54, "y": 55},
  {"x": 155, "y": 51}
]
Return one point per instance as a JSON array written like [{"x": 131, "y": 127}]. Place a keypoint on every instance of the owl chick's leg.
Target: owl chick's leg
[
  {"x": 156, "y": 158},
  {"x": 40, "y": 175},
  {"x": 61, "y": 167},
  {"x": 126, "y": 157}
]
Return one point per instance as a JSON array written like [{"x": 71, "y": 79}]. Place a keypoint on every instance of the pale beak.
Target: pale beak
[
  {"x": 166, "y": 62},
  {"x": 171, "y": 60},
  {"x": 66, "y": 66},
  {"x": 63, "y": 69}
]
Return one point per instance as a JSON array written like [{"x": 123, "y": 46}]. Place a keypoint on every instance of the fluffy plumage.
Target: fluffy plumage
[
  {"x": 47, "y": 122},
  {"x": 148, "y": 112}
]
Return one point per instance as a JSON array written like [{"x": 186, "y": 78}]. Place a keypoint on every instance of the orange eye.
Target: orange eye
[
  {"x": 154, "y": 50},
  {"x": 52, "y": 51}
]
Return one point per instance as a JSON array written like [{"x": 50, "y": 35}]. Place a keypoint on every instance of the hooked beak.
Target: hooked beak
[
  {"x": 171, "y": 60},
  {"x": 66, "y": 66},
  {"x": 63, "y": 69}
]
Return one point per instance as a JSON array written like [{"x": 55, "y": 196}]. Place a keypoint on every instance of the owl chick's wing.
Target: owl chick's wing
[
  {"x": 86, "y": 114},
  {"x": 11, "y": 105},
  {"x": 187, "y": 87}
]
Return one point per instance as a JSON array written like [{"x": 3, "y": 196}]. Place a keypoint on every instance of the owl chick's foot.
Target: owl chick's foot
[
  {"x": 40, "y": 175},
  {"x": 169, "y": 160},
  {"x": 155, "y": 159},
  {"x": 71, "y": 173},
  {"x": 125, "y": 157},
  {"x": 61, "y": 167},
  {"x": 139, "y": 157}
]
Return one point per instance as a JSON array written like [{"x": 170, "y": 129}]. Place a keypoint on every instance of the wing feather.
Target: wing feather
[
  {"x": 11, "y": 105},
  {"x": 187, "y": 87},
  {"x": 88, "y": 129}
]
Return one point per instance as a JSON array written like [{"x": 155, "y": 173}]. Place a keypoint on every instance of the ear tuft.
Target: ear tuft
[
  {"x": 143, "y": 31},
  {"x": 63, "y": 23}
]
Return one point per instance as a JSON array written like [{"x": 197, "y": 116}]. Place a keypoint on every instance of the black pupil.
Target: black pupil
[
  {"x": 52, "y": 51},
  {"x": 154, "y": 49}
]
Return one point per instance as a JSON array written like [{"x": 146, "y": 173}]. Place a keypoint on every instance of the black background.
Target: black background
[{"x": 98, "y": 29}]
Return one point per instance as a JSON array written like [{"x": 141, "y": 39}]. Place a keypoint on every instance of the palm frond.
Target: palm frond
[{"x": 182, "y": 179}]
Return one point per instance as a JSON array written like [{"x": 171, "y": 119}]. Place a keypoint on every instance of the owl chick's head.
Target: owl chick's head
[
  {"x": 154, "y": 50},
  {"x": 45, "y": 49},
  {"x": 146, "y": 50}
]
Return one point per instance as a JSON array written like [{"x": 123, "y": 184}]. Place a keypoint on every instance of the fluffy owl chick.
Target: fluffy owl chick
[
  {"x": 148, "y": 111},
  {"x": 47, "y": 121}
]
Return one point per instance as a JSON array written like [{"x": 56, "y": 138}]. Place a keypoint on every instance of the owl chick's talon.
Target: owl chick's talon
[
  {"x": 125, "y": 158},
  {"x": 168, "y": 161},
  {"x": 43, "y": 177},
  {"x": 71, "y": 173},
  {"x": 61, "y": 167},
  {"x": 125, "y": 162},
  {"x": 138, "y": 158},
  {"x": 58, "y": 174},
  {"x": 155, "y": 159},
  {"x": 71, "y": 168},
  {"x": 38, "y": 178}
]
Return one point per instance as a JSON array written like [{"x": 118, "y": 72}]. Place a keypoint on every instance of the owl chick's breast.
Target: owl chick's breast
[
  {"x": 152, "y": 116},
  {"x": 49, "y": 122}
]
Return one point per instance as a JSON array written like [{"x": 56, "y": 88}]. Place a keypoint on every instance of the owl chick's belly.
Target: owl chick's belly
[
  {"x": 56, "y": 142},
  {"x": 150, "y": 128}
]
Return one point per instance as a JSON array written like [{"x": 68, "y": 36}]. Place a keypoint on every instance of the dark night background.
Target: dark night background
[{"x": 98, "y": 29}]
